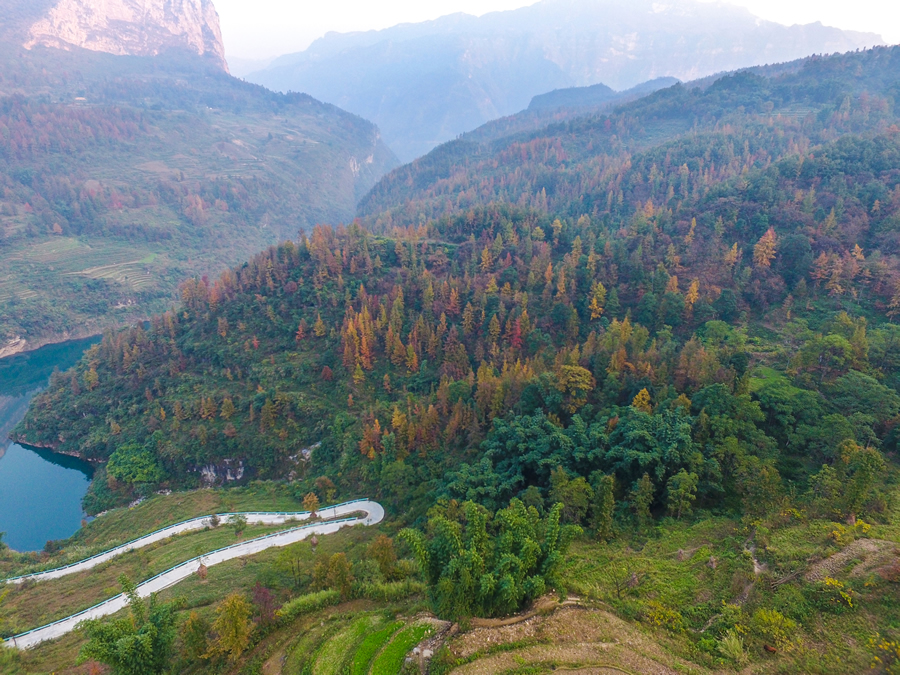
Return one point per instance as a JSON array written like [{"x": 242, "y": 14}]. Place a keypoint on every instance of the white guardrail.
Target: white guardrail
[{"x": 374, "y": 514}]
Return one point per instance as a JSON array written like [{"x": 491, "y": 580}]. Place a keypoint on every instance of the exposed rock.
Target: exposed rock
[
  {"x": 228, "y": 470},
  {"x": 132, "y": 27},
  {"x": 13, "y": 346}
]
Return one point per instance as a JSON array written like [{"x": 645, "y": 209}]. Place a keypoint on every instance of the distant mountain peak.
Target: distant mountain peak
[
  {"x": 427, "y": 83},
  {"x": 131, "y": 27}
]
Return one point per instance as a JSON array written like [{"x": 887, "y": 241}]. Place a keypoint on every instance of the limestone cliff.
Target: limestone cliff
[{"x": 131, "y": 27}]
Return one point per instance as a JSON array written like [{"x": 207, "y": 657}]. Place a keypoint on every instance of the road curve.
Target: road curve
[
  {"x": 199, "y": 523},
  {"x": 374, "y": 514}
]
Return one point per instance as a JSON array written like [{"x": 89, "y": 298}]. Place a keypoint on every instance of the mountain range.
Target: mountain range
[
  {"x": 130, "y": 159},
  {"x": 637, "y": 345},
  {"x": 426, "y": 83}
]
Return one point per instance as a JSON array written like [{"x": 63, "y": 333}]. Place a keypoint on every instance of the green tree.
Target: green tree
[
  {"x": 134, "y": 464},
  {"x": 232, "y": 627},
  {"x": 573, "y": 493},
  {"x": 137, "y": 644},
  {"x": 604, "y": 506},
  {"x": 859, "y": 469},
  {"x": 238, "y": 523},
  {"x": 827, "y": 356},
  {"x": 382, "y": 551},
  {"x": 476, "y": 565},
  {"x": 857, "y": 392},
  {"x": 339, "y": 575},
  {"x": 642, "y": 500},
  {"x": 195, "y": 636},
  {"x": 682, "y": 491}
]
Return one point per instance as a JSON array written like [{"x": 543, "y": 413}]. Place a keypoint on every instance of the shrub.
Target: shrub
[
  {"x": 389, "y": 592},
  {"x": 831, "y": 595},
  {"x": 663, "y": 617},
  {"x": 731, "y": 646},
  {"x": 773, "y": 627},
  {"x": 308, "y": 603}
]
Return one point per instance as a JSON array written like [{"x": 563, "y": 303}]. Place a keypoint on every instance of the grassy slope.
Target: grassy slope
[
  {"x": 31, "y": 605},
  {"x": 656, "y": 622}
]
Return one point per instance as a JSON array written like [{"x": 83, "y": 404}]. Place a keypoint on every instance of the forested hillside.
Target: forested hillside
[
  {"x": 120, "y": 176},
  {"x": 579, "y": 166},
  {"x": 714, "y": 299},
  {"x": 650, "y": 358}
]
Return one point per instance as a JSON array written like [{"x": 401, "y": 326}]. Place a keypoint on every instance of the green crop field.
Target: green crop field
[
  {"x": 391, "y": 658},
  {"x": 370, "y": 646}
]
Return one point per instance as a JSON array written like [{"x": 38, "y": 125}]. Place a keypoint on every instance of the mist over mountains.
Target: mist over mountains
[{"x": 426, "y": 83}]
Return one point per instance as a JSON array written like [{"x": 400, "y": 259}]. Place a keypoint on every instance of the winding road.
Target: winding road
[{"x": 374, "y": 514}]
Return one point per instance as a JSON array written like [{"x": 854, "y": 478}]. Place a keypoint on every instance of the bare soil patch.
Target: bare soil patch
[{"x": 872, "y": 554}]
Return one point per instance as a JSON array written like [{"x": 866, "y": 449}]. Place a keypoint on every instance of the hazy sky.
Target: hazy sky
[{"x": 266, "y": 28}]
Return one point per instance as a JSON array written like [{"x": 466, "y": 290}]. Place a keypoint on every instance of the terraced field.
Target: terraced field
[
  {"x": 33, "y": 267},
  {"x": 350, "y": 642}
]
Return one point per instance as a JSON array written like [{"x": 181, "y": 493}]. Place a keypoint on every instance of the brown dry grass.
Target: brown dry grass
[{"x": 583, "y": 640}]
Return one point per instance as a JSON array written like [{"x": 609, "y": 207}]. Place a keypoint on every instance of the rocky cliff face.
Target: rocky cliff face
[{"x": 131, "y": 27}]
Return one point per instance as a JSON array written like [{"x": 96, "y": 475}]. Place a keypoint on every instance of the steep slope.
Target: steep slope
[
  {"x": 120, "y": 175},
  {"x": 574, "y": 166},
  {"x": 426, "y": 83},
  {"x": 717, "y": 305},
  {"x": 131, "y": 27}
]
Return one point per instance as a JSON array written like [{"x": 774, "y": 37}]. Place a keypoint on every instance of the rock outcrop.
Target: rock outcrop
[{"x": 132, "y": 27}]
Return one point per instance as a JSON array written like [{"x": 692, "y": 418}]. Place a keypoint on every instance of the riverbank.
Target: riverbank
[
  {"x": 41, "y": 491},
  {"x": 20, "y": 345}
]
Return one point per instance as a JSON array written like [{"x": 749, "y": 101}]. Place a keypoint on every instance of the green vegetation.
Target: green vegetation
[
  {"x": 339, "y": 649},
  {"x": 370, "y": 646},
  {"x": 681, "y": 344},
  {"x": 474, "y": 571},
  {"x": 311, "y": 602},
  {"x": 391, "y": 658},
  {"x": 140, "y": 644}
]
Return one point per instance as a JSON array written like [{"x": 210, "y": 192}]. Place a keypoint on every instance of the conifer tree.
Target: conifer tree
[
  {"x": 598, "y": 301},
  {"x": 642, "y": 402},
  {"x": 642, "y": 500},
  {"x": 764, "y": 251},
  {"x": 319, "y": 329}
]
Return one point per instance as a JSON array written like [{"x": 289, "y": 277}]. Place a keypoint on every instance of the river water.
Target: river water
[{"x": 40, "y": 492}]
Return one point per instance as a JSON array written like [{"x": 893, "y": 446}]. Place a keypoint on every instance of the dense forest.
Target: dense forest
[
  {"x": 650, "y": 357},
  {"x": 731, "y": 328}
]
